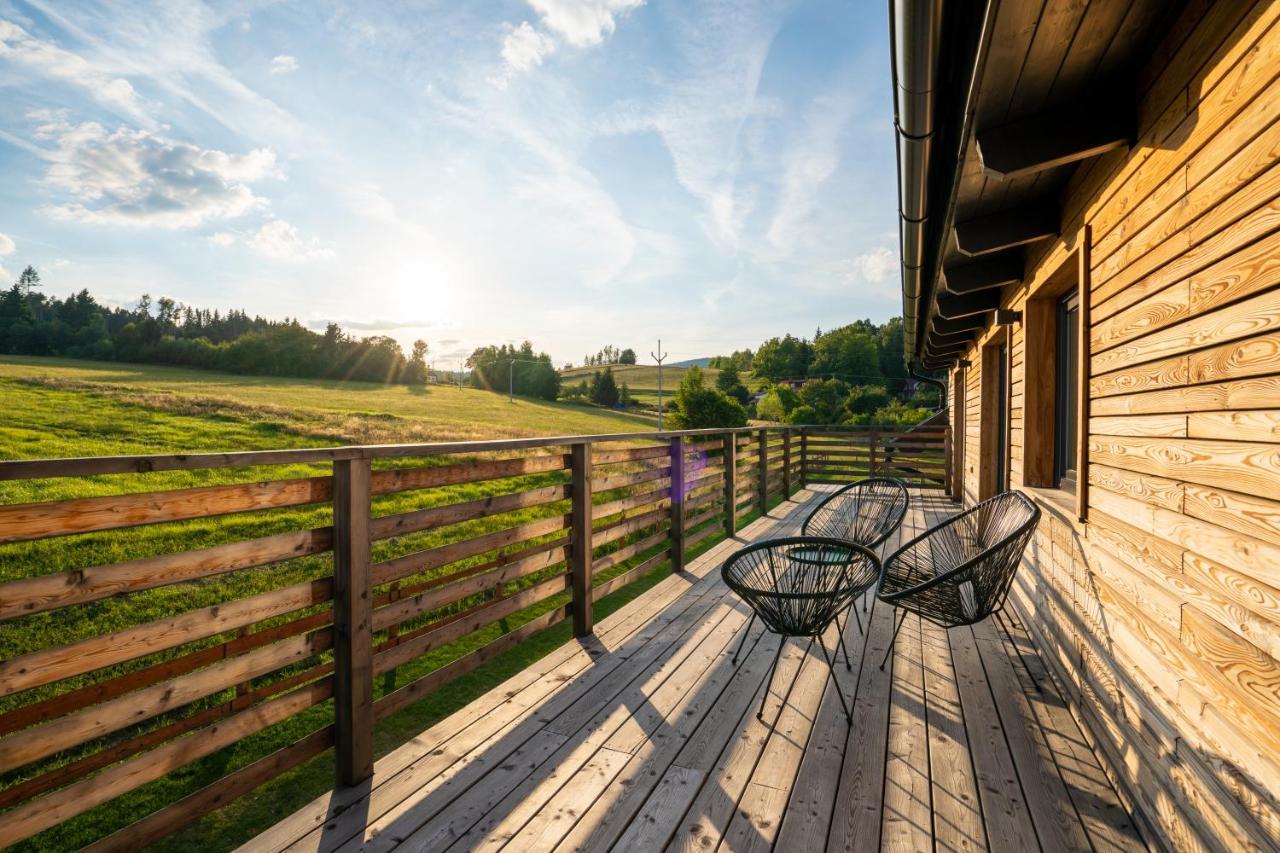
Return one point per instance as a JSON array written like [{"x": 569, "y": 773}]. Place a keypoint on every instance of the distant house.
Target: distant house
[{"x": 1090, "y": 210}]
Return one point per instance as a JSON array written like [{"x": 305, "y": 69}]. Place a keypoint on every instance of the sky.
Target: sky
[{"x": 573, "y": 172}]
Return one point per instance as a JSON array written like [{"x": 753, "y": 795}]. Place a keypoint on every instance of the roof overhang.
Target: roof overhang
[{"x": 996, "y": 104}]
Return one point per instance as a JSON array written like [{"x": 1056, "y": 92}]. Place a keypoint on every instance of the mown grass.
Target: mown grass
[{"x": 62, "y": 408}]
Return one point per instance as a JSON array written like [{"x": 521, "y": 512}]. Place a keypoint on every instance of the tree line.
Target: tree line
[
  {"x": 853, "y": 374},
  {"x": 610, "y": 355},
  {"x": 519, "y": 369},
  {"x": 164, "y": 331}
]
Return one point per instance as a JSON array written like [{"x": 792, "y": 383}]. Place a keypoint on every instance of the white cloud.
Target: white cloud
[
  {"x": 706, "y": 114},
  {"x": 877, "y": 266},
  {"x": 280, "y": 240},
  {"x": 44, "y": 57},
  {"x": 222, "y": 239},
  {"x": 583, "y": 22},
  {"x": 134, "y": 177},
  {"x": 284, "y": 64},
  {"x": 524, "y": 47},
  {"x": 810, "y": 162}
]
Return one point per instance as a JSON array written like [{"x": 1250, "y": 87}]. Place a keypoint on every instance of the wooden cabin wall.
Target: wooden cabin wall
[{"x": 1160, "y": 613}]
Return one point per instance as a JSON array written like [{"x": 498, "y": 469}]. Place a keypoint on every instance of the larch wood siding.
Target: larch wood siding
[{"x": 1160, "y": 613}]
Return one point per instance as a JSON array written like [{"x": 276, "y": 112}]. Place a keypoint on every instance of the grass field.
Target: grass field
[
  {"x": 68, "y": 408},
  {"x": 642, "y": 379}
]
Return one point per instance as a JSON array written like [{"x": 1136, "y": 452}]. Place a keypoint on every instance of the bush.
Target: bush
[
  {"x": 697, "y": 407},
  {"x": 771, "y": 407}
]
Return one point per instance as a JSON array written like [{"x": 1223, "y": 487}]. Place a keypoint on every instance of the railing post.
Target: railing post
[
  {"x": 946, "y": 458},
  {"x": 804, "y": 457},
  {"x": 786, "y": 464},
  {"x": 730, "y": 484},
  {"x": 677, "y": 503},
  {"x": 762, "y": 441},
  {"x": 872, "y": 444},
  {"x": 580, "y": 539},
  {"x": 352, "y": 622}
]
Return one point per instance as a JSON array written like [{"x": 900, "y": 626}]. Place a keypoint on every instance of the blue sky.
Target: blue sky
[{"x": 575, "y": 172}]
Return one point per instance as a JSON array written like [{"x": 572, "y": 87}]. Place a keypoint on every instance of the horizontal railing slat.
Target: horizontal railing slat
[
  {"x": 33, "y": 816},
  {"x": 434, "y": 558},
  {"x": 55, "y": 664},
  {"x": 450, "y": 593},
  {"x": 21, "y": 522},
  {"x": 415, "y": 690},
  {"x": 50, "y": 592},
  {"x": 95, "y": 721},
  {"x": 400, "y": 524},
  {"x": 400, "y": 653}
]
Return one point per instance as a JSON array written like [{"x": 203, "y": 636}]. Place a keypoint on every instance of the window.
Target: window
[
  {"x": 1066, "y": 409},
  {"x": 993, "y": 471},
  {"x": 1055, "y": 381}
]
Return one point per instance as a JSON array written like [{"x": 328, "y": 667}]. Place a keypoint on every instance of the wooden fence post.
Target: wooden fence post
[
  {"x": 762, "y": 442},
  {"x": 872, "y": 446},
  {"x": 352, "y": 622},
  {"x": 677, "y": 503},
  {"x": 786, "y": 464},
  {"x": 947, "y": 473},
  {"x": 730, "y": 484},
  {"x": 580, "y": 539},
  {"x": 804, "y": 457}
]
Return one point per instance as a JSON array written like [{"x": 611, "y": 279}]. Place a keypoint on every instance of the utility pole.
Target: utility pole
[
  {"x": 659, "y": 357},
  {"x": 511, "y": 374}
]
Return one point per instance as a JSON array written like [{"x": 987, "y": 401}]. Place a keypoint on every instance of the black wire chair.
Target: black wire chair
[
  {"x": 865, "y": 513},
  {"x": 797, "y": 586},
  {"x": 959, "y": 572}
]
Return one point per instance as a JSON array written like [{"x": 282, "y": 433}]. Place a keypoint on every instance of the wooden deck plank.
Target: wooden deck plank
[
  {"x": 808, "y": 815},
  {"x": 490, "y": 800},
  {"x": 755, "y": 824},
  {"x": 638, "y": 723},
  {"x": 856, "y": 814},
  {"x": 1052, "y": 812},
  {"x": 646, "y": 737},
  {"x": 707, "y": 817},
  {"x": 1105, "y": 820},
  {"x": 1006, "y": 818},
  {"x": 957, "y": 808},
  {"x": 643, "y": 777},
  {"x": 908, "y": 797}
]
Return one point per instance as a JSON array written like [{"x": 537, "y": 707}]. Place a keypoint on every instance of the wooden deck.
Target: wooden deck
[{"x": 645, "y": 737}]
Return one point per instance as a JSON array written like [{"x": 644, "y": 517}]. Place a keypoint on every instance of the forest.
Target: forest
[{"x": 163, "y": 331}]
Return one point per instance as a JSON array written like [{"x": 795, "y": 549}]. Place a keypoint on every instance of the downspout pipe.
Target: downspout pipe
[
  {"x": 929, "y": 380},
  {"x": 916, "y": 38}
]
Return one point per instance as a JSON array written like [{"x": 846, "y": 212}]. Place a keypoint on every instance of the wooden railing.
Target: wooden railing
[{"x": 138, "y": 638}]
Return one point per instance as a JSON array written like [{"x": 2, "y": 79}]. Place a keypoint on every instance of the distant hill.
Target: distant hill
[{"x": 692, "y": 362}]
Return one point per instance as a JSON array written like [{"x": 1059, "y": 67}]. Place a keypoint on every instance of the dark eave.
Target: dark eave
[{"x": 1024, "y": 92}]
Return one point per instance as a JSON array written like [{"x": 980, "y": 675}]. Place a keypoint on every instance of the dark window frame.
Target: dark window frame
[{"x": 1066, "y": 408}]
